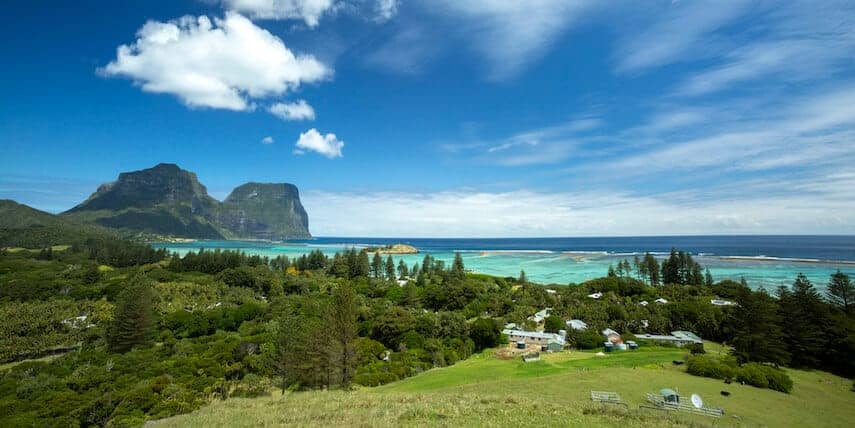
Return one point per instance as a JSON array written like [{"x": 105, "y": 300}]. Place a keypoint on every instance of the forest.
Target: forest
[{"x": 108, "y": 332}]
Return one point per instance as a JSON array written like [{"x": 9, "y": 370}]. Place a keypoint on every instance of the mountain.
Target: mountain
[
  {"x": 264, "y": 211},
  {"x": 169, "y": 201},
  {"x": 23, "y": 226}
]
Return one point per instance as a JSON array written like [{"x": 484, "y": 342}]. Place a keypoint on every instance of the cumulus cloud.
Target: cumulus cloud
[
  {"x": 267, "y": 140},
  {"x": 310, "y": 11},
  {"x": 300, "y": 110},
  {"x": 221, "y": 64},
  {"x": 327, "y": 145}
]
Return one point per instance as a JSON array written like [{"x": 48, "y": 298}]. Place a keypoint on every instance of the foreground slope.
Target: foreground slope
[{"x": 485, "y": 391}]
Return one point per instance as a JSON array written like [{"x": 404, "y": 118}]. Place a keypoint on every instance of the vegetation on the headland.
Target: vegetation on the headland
[
  {"x": 148, "y": 335},
  {"x": 393, "y": 249}
]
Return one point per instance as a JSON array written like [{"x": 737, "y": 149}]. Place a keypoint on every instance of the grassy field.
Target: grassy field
[{"x": 486, "y": 391}]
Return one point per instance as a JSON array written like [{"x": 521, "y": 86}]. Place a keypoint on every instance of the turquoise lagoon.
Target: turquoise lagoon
[{"x": 766, "y": 261}]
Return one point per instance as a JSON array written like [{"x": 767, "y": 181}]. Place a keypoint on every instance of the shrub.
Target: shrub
[{"x": 754, "y": 374}]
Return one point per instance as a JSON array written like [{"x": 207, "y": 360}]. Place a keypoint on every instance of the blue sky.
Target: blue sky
[{"x": 448, "y": 118}]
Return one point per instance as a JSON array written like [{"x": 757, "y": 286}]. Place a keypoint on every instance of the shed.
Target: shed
[
  {"x": 554, "y": 345},
  {"x": 669, "y": 395},
  {"x": 631, "y": 344}
]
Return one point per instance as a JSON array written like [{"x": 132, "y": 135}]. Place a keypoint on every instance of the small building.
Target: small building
[
  {"x": 631, "y": 344},
  {"x": 596, "y": 295},
  {"x": 537, "y": 338},
  {"x": 554, "y": 345},
  {"x": 720, "y": 302},
  {"x": 661, "y": 301},
  {"x": 612, "y": 336},
  {"x": 551, "y": 291},
  {"x": 643, "y": 303},
  {"x": 578, "y": 325},
  {"x": 540, "y": 316},
  {"x": 678, "y": 338},
  {"x": 608, "y": 346},
  {"x": 669, "y": 395}
]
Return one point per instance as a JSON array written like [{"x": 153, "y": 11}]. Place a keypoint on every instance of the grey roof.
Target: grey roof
[
  {"x": 577, "y": 324},
  {"x": 535, "y": 335}
]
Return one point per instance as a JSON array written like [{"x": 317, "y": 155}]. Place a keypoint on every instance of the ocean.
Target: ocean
[{"x": 764, "y": 261}]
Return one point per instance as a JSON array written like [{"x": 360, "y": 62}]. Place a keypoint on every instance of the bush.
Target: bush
[{"x": 754, "y": 374}]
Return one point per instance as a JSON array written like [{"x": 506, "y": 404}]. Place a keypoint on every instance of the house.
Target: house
[
  {"x": 550, "y": 291},
  {"x": 661, "y": 301},
  {"x": 596, "y": 295},
  {"x": 540, "y": 316},
  {"x": 511, "y": 326},
  {"x": 402, "y": 282},
  {"x": 578, "y": 325},
  {"x": 679, "y": 338},
  {"x": 537, "y": 338},
  {"x": 612, "y": 336},
  {"x": 719, "y": 302},
  {"x": 643, "y": 303}
]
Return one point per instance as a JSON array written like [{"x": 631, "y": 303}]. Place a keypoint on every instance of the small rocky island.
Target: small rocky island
[{"x": 394, "y": 249}]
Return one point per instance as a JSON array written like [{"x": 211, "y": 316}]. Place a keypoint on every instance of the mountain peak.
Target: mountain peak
[{"x": 168, "y": 200}]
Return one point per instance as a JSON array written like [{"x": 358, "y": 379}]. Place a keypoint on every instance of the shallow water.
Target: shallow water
[{"x": 775, "y": 259}]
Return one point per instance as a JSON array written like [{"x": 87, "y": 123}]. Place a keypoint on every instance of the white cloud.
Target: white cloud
[
  {"x": 534, "y": 214},
  {"x": 328, "y": 145},
  {"x": 508, "y": 35},
  {"x": 221, "y": 64},
  {"x": 267, "y": 140},
  {"x": 385, "y": 10},
  {"x": 299, "y": 110},
  {"x": 310, "y": 11},
  {"x": 674, "y": 33}
]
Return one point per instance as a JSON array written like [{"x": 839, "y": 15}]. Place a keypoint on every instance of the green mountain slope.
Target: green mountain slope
[
  {"x": 23, "y": 226},
  {"x": 167, "y": 200}
]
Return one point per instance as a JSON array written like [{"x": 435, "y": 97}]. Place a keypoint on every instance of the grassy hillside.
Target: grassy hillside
[
  {"x": 23, "y": 226},
  {"x": 486, "y": 391}
]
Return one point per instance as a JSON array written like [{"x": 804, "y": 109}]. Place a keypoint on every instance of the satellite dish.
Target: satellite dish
[{"x": 696, "y": 401}]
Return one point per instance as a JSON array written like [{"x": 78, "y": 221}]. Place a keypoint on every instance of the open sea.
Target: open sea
[{"x": 766, "y": 261}]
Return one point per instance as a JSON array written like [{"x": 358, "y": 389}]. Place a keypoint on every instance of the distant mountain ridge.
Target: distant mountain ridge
[{"x": 169, "y": 201}]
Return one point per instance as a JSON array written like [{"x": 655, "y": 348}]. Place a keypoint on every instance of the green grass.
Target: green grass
[{"x": 486, "y": 391}]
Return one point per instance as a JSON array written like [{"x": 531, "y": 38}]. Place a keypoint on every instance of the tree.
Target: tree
[
  {"x": 805, "y": 319},
  {"x": 341, "y": 320},
  {"x": 757, "y": 332},
  {"x": 403, "y": 271},
  {"x": 376, "y": 265},
  {"x": 457, "y": 268},
  {"x": 553, "y": 324},
  {"x": 708, "y": 279},
  {"x": 522, "y": 279},
  {"x": 611, "y": 273},
  {"x": 133, "y": 323},
  {"x": 390, "y": 269},
  {"x": 485, "y": 333},
  {"x": 651, "y": 267},
  {"x": 362, "y": 265},
  {"x": 841, "y": 291}
]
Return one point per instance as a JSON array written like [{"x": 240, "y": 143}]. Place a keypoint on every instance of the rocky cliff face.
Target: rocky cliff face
[
  {"x": 265, "y": 211},
  {"x": 167, "y": 200}
]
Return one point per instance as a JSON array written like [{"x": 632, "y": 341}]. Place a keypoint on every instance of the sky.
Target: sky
[{"x": 443, "y": 118}]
